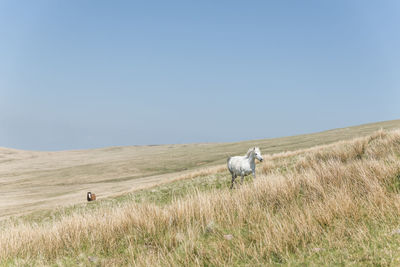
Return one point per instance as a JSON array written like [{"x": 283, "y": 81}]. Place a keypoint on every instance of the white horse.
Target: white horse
[{"x": 244, "y": 165}]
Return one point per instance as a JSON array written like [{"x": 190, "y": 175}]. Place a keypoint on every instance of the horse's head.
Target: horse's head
[{"x": 256, "y": 152}]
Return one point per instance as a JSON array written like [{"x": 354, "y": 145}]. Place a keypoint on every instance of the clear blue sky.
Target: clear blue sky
[{"x": 85, "y": 74}]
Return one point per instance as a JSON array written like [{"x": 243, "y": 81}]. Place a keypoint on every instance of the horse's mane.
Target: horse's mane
[{"x": 249, "y": 151}]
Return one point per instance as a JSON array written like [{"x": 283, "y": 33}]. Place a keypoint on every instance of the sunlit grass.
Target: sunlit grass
[{"x": 335, "y": 204}]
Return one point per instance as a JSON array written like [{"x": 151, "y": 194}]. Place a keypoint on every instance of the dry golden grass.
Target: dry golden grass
[{"x": 339, "y": 202}]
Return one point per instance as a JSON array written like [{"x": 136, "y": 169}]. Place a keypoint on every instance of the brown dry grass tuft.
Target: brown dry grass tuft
[{"x": 330, "y": 196}]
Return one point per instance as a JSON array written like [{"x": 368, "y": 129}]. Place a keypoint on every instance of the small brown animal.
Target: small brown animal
[{"x": 91, "y": 196}]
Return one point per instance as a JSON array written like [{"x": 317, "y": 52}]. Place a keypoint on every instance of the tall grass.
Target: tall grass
[{"x": 323, "y": 201}]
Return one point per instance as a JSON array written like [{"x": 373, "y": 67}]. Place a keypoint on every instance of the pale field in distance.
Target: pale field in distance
[{"x": 33, "y": 180}]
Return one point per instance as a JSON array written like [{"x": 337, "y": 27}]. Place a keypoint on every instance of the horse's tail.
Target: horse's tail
[{"x": 227, "y": 163}]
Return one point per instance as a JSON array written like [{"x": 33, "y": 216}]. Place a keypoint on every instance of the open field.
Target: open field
[
  {"x": 32, "y": 181},
  {"x": 335, "y": 204}
]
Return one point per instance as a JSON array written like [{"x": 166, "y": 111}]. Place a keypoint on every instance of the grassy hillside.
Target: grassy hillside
[
  {"x": 32, "y": 181},
  {"x": 333, "y": 204}
]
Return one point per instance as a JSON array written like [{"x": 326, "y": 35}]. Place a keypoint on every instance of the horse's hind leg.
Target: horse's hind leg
[
  {"x": 241, "y": 179},
  {"x": 233, "y": 179}
]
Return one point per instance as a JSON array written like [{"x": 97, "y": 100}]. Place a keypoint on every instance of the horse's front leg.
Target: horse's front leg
[
  {"x": 254, "y": 174},
  {"x": 241, "y": 179}
]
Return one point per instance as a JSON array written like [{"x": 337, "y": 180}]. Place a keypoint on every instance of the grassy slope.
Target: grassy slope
[
  {"x": 335, "y": 204},
  {"x": 32, "y": 181}
]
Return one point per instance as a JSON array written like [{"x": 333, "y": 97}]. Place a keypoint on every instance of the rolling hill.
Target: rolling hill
[
  {"x": 33, "y": 181},
  {"x": 329, "y": 204}
]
